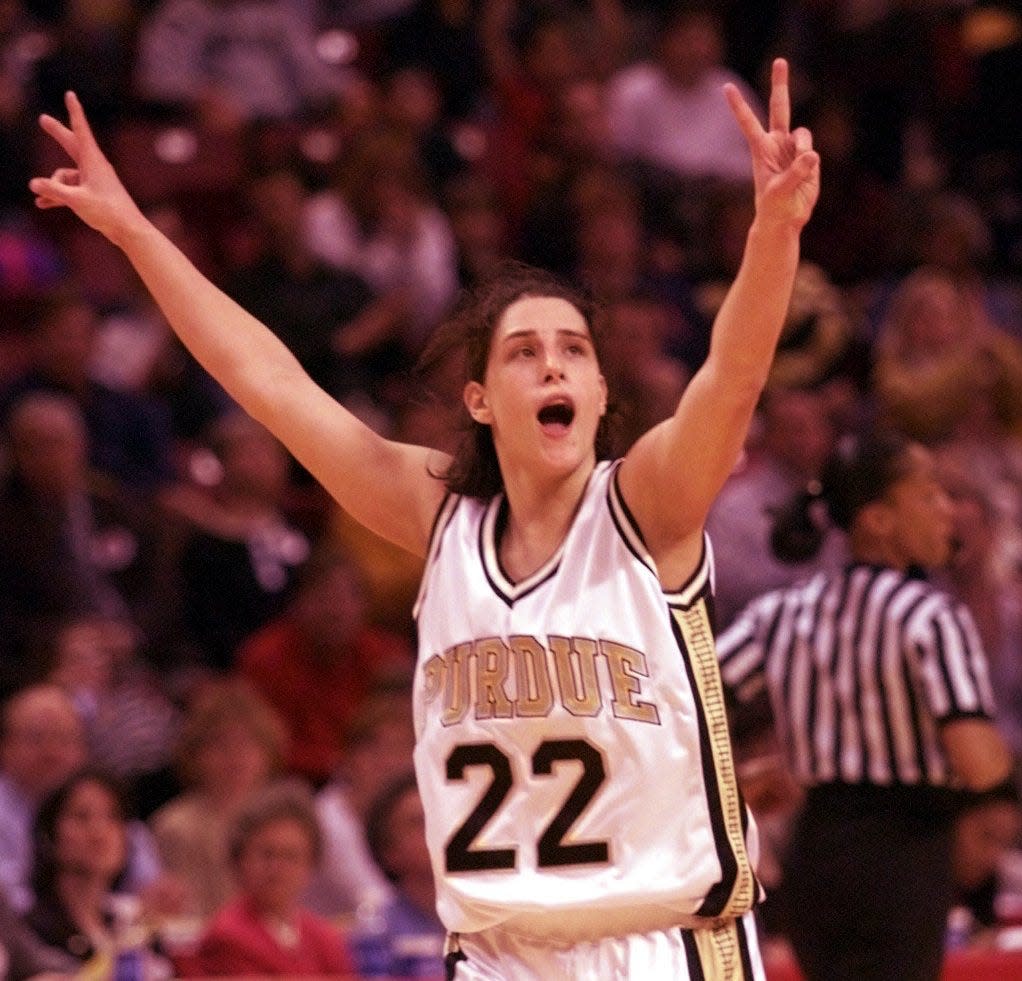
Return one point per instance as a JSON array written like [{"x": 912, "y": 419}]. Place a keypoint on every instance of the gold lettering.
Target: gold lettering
[
  {"x": 575, "y": 665},
  {"x": 433, "y": 676},
  {"x": 627, "y": 666},
  {"x": 534, "y": 697},
  {"x": 456, "y": 690},
  {"x": 491, "y": 657}
]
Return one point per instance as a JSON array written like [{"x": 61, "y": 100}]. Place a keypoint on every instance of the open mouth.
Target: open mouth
[{"x": 557, "y": 414}]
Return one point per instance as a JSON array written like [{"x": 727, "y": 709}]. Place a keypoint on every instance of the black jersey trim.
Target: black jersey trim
[
  {"x": 628, "y": 528},
  {"x": 441, "y": 521},
  {"x": 489, "y": 528}
]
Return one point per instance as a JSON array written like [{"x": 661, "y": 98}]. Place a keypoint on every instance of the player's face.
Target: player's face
[
  {"x": 921, "y": 514},
  {"x": 543, "y": 393}
]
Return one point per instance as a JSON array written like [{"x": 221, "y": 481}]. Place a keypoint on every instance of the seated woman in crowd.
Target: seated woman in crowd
[
  {"x": 275, "y": 845},
  {"x": 231, "y": 744},
  {"x": 378, "y": 746},
  {"x": 942, "y": 368},
  {"x": 80, "y": 852},
  {"x": 396, "y": 832}
]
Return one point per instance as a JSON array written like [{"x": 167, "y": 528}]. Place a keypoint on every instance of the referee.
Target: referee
[{"x": 881, "y": 699}]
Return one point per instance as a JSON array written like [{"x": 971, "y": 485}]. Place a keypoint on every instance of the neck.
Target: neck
[
  {"x": 539, "y": 516},
  {"x": 84, "y": 895},
  {"x": 875, "y": 551}
]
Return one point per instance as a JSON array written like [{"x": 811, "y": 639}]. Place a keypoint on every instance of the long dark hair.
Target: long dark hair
[
  {"x": 860, "y": 471},
  {"x": 381, "y": 810},
  {"x": 45, "y": 863},
  {"x": 474, "y": 469}
]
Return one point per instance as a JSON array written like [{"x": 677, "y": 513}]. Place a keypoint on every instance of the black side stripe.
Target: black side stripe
[
  {"x": 441, "y": 521},
  {"x": 451, "y": 962},
  {"x": 695, "y": 964},
  {"x": 744, "y": 949}
]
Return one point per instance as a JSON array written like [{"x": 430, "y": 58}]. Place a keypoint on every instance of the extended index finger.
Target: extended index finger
[
  {"x": 747, "y": 119},
  {"x": 780, "y": 97}
]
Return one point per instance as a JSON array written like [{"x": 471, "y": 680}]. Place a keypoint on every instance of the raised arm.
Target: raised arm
[
  {"x": 672, "y": 474},
  {"x": 384, "y": 485}
]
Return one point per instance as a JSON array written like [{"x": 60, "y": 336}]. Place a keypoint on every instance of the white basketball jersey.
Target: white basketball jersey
[{"x": 572, "y": 746}]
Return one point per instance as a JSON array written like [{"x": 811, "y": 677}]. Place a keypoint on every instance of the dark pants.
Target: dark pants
[{"x": 868, "y": 884}]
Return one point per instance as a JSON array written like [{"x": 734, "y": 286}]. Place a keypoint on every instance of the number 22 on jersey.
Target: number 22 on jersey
[{"x": 551, "y": 848}]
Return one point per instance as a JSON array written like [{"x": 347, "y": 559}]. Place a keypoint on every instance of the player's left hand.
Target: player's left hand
[{"x": 785, "y": 168}]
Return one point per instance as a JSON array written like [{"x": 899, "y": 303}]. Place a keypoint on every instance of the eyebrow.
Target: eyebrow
[{"x": 529, "y": 332}]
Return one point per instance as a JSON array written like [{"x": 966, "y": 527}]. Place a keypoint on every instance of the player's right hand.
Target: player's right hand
[{"x": 90, "y": 188}]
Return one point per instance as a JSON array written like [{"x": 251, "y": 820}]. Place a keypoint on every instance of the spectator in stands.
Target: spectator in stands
[
  {"x": 478, "y": 225},
  {"x": 232, "y": 61},
  {"x": 411, "y": 102},
  {"x": 316, "y": 307},
  {"x": 379, "y": 219},
  {"x": 942, "y": 369},
  {"x": 240, "y": 559},
  {"x": 529, "y": 60},
  {"x": 72, "y": 542},
  {"x": 275, "y": 845},
  {"x": 646, "y": 381},
  {"x": 80, "y": 851},
  {"x": 23, "y": 956},
  {"x": 794, "y": 439},
  {"x": 42, "y": 742},
  {"x": 377, "y": 747},
  {"x": 318, "y": 661},
  {"x": 396, "y": 832},
  {"x": 231, "y": 744},
  {"x": 668, "y": 111},
  {"x": 984, "y": 574},
  {"x": 442, "y": 37},
  {"x": 818, "y": 333},
  {"x": 131, "y": 724},
  {"x": 129, "y": 435}
]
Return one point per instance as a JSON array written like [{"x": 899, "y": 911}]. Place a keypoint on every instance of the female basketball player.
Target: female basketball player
[{"x": 573, "y": 758}]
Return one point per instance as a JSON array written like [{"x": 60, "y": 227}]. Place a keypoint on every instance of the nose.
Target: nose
[{"x": 552, "y": 367}]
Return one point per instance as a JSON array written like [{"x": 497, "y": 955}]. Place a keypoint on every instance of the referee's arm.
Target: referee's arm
[
  {"x": 958, "y": 681},
  {"x": 976, "y": 753}
]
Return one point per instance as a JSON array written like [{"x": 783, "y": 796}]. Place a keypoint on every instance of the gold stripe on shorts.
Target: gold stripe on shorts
[{"x": 720, "y": 952}]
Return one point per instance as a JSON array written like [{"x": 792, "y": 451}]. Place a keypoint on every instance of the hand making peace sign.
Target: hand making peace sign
[
  {"x": 785, "y": 168},
  {"x": 91, "y": 188}
]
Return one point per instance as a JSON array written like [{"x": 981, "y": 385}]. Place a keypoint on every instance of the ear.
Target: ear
[
  {"x": 603, "y": 396},
  {"x": 474, "y": 397}
]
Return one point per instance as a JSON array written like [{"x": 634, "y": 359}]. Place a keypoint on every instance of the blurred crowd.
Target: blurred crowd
[{"x": 204, "y": 664}]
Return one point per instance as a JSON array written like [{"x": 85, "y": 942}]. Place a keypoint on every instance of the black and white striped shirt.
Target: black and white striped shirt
[{"x": 862, "y": 668}]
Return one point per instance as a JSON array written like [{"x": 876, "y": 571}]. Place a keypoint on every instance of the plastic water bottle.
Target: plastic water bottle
[
  {"x": 129, "y": 937},
  {"x": 370, "y": 939},
  {"x": 419, "y": 956},
  {"x": 960, "y": 923}
]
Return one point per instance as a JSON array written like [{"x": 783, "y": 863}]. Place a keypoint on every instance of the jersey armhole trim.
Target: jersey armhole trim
[
  {"x": 444, "y": 515},
  {"x": 701, "y": 580},
  {"x": 626, "y": 525}
]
